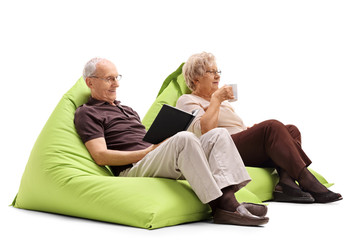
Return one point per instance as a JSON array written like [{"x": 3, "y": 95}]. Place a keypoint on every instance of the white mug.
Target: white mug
[{"x": 234, "y": 88}]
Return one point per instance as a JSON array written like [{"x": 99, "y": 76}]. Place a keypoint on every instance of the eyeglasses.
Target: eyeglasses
[
  {"x": 214, "y": 72},
  {"x": 109, "y": 79}
]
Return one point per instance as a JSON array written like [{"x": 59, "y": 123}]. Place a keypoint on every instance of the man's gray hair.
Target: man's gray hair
[{"x": 90, "y": 67}]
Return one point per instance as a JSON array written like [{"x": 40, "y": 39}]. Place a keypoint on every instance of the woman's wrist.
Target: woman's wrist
[{"x": 215, "y": 99}]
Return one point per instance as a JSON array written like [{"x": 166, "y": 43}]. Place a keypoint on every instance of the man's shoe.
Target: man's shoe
[
  {"x": 255, "y": 209},
  {"x": 240, "y": 217}
]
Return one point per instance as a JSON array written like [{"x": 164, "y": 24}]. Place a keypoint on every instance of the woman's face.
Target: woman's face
[{"x": 209, "y": 82}]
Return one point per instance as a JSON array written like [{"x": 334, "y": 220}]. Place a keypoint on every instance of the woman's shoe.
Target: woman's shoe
[
  {"x": 240, "y": 217},
  {"x": 326, "y": 197},
  {"x": 290, "y": 194}
]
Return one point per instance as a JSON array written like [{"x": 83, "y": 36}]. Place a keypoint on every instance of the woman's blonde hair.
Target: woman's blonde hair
[{"x": 196, "y": 67}]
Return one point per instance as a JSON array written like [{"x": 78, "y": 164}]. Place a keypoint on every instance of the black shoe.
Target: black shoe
[
  {"x": 290, "y": 194},
  {"x": 326, "y": 197}
]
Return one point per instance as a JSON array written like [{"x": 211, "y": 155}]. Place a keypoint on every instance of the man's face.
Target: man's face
[{"x": 101, "y": 88}]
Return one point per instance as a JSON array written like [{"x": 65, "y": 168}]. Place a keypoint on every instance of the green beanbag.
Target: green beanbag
[
  {"x": 263, "y": 179},
  {"x": 61, "y": 177},
  {"x": 173, "y": 87}
]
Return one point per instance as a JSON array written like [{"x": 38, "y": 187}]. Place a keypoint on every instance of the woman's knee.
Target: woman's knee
[
  {"x": 273, "y": 123},
  {"x": 276, "y": 126},
  {"x": 294, "y": 132},
  {"x": 293, "y": 128},
  {"x": 280, "y": 127}
]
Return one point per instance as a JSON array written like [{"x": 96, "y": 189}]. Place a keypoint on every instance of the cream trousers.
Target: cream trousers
[{"x": 209, "y": 164}]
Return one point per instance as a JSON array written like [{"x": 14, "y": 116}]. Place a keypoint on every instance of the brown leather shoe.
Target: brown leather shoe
[
  {"x": 255, "y": 209},
  {"x": 240, "y": 217}
]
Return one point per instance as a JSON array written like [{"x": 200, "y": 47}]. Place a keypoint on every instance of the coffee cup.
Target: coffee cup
[{"x": 234, "y": 89}]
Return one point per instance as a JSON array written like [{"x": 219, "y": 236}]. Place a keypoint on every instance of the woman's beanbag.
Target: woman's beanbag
[
  {"x": 173, "y": 87},
  {"x": 61, "y": 177},
  {"x": 263, "y": 179}
]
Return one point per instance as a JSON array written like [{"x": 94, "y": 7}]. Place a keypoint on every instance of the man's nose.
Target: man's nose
[{"x": 115, "y": 83}]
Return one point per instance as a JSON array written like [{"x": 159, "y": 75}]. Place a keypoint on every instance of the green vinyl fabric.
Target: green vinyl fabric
[
  {"x": 172, "y": 88},
  {"x": 61, "y": 177}
]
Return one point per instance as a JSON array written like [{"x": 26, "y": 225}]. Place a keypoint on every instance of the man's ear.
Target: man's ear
[{"x": 88, "y": 82}]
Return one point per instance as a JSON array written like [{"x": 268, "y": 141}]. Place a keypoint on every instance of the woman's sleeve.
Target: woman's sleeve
[{"x": 187, "y": 104}]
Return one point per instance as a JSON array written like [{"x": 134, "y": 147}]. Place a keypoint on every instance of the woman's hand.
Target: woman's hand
[
  {"x": 210, "y": 118},
  {"x": 223, "y": 93}
]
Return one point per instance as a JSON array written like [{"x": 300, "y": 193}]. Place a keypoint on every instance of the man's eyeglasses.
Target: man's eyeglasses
[
  {"x": 109, "y": 79},
  {"x": 214, "y": 72}
]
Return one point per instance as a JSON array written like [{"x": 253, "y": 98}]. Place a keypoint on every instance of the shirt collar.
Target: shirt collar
[{"x": 95, "y": 102}]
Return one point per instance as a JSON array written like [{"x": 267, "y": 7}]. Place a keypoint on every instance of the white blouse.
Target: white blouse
[{"x": 227, "y": 117}]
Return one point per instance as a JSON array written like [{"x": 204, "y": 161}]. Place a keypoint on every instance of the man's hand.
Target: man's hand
[
  {"x": 154, "y": 146},
  {"x": 103, "y": 156}
]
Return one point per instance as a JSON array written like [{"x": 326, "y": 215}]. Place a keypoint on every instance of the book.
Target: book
[{"x": 168, "y": 122}]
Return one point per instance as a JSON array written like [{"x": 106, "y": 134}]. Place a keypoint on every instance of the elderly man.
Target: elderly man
[{"x": 113, "y": 135}]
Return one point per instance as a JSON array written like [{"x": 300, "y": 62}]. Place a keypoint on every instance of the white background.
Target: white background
[{"x": 295, "y": 61}]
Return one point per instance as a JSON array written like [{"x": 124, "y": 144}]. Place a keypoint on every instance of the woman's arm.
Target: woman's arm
[
  {"x": 210, "y": 118},
  {"x": 103, "y": 156}
]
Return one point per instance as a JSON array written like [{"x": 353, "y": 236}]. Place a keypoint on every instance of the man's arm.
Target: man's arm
[{"x": 103, "y": 156}]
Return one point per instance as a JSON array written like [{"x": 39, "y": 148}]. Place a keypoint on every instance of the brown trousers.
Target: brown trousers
[{"x": 272, "y": 144}]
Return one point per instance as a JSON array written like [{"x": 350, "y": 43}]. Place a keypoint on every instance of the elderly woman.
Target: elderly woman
[{"x": 267, "y": 144}]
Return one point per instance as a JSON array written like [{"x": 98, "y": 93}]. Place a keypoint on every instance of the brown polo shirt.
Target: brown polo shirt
[{"x": 120, "y": 126}]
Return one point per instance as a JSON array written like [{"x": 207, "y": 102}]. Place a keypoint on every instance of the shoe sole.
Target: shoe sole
[{"x": 282, "y": 197}]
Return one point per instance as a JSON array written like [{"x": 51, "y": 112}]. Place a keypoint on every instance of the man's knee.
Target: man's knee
[
  {"x": 218, "y": 132},
  {"x": 184, "y": 136},
  {"x": 215, "y": 135}
]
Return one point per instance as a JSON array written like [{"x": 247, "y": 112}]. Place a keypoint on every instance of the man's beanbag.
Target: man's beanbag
[{"x": 61, "y": 177}]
